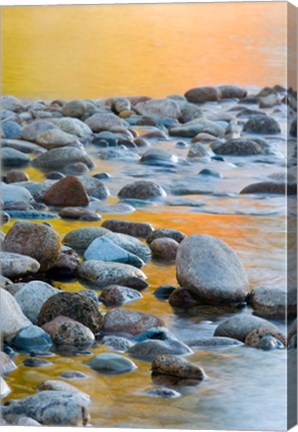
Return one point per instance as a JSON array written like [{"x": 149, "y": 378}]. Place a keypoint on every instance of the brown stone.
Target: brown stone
[
  {"x": 253, "y": 338},
  {"x": 270, "y": 188},
  {"x": 14, "y": 176},
  {"x": 66, "y": 331},
  {"x": 164, "y": 249},
  {"x": 135, "y": 229},
  {"x": 67, "y": 192},
  {"x": 79, "y": 213},
  {"x": 176, "y": 366}
]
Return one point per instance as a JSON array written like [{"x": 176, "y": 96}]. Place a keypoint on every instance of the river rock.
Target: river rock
[
  {"x": 134, "y": 229},
  {"x": 164, "y": 249},
  {"x": 30, "y": 338},
  {"x": 104, "y": 249},
  {"x": 117, "y": 343},
  {"x": 203, "y": 138},
  {"x": 241, "y": 147},
  {"x": 130, "y": 244},
  {"x": 265, "y": 338},
  {"x": 50, "y": 408},
  {"x": 57, "y": 385},
  {"x": 190, "y": 111},
  {"x": 75, "y": 108},
  {"x": 143, "y": 190},
  {"x": 194, "y": 127},
  {"x": 6, "y": 364},
  {"x": 22, "y": 146},
  {"x": 100, "y": 274},
  {"x": 14, "y": 158},
  {"x": 12, "y": 318},
  {"x": 197, "y": 150},
  {"x": 124, "y": 321},
  {"x": 262, "y": 124},
  {"x": 270, "y": 188},
  {"x": 15, "y": 175},
  {"x": 11, "y": 129},
  {"x": 57, "y": 158},
  {"x": 159, "y": 107},
  {"x": 163, "y": 292},
  {"x": 213, "y": 342},
  {"x": 11, "y": 103},
  {"x": 69, "y": 332},
  {"x": 158, "y": 157},
  {"x": 163, "y": 392},
  {"x": 211, "y": 270},
  {"x": 174, "y": 234},
  {"x": 35, "y": 240},
  {"x": 177, "y": 366},
  {"x": 15, "y": 265},
  {"x": 239, "y": 327},
  {"x": 55, "y": 138},
  {"x": 36, "y": 189},
  {"x": 117, "y": 295},
  {"x": 209, "y": 173},
  {"x": 4, "y": 391},
  {"x": 270, "y": 302},
  {"x": 81, "y": 238},
  {"x": 102, "y": 122},
  {"x": 73, "y": 375},
  {"x": 76, "y": 168},
  {"x": 79, "y": 307},
  {"x": 67, "y": 192},
  {"x": 33, "y": 129},
  {"x": 74, "y": 126},
  {"x": 232, "y": 92},
  {"x": 203, "y": 94},
  {"x": 148, "y": 350},
  {"x": 183, "y": 298},
  {"x": 120, "y": 104},
  {"x": 32, "y": 296},
  {"x": 94, "y": 187},
  {"x": 111, "y": 364},
  {"x": 79, "y": 213},
  {"x": 13, "y": 193}
]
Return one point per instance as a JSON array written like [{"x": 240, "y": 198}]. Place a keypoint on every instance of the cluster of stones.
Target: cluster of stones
[{"x": 109, "y": 257}]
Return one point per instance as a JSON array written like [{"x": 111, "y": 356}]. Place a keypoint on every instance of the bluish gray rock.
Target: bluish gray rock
[
  {"x": 57, "y": 158},
  {"x": 11, "y": 193},
  {"x": 117, "y": 295},
  {"x": 11, "y": 129},
  {"x": 14, "y": 158},
  {"x": 81, "y": 238},
  {"x": 32, "y": 337},
  {"x": 117, "y": 343},
  {"x": 74, "y": 126},
  {"x": 33, "y": 129},
  {"x": 149, "y": 349},
  {"x": 14, "y": 265},
  {"x": 111, "y": 364},
  {"x": 262, "y": 125}
]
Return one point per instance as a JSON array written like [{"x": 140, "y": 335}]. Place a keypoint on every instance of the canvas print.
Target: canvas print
[{"x": 148, "y": 192}]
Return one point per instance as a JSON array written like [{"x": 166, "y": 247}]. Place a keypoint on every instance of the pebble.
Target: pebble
[
  {"x": 163, "y": 392},
  {"x": 262, "y": 125}
]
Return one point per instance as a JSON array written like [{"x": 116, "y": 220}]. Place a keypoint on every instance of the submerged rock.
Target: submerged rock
[
  {"x": 32, "y": 337},
  {"x": 111, "y": 364},
  {"x": 149, "y": 349}
]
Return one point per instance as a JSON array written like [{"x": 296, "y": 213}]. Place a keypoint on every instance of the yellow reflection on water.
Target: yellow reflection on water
[{"x": 154, "y": 49}]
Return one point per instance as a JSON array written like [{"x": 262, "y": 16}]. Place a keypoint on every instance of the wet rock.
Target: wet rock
[
  {"x": 35, "y": 240},
  {"x": 14, "y": 176},
  {"x": 177, "y": 366},
  {"x": 158, "y": 157},
  {"x": 262, "y": 125},
  {"x": 76, "y": 168},
  {"x": 232, "y": 92},
  {"x": 67, "y": 192},
  {"x": 55, "y": 138},
  {"x": 11, "y": 129},
  {"x": 197, "y": 150},
  {"x": 239, "y": 327},
  {"x": 6, "y": 364},
  {"x": 102, "y": 176},
  {"x": 4, "y": 391},
  {"x": 11, "y": 103},
  {"x": 81, "y": 238},
  {"x": 270, "y": 188},
  {"x": 194, "y": 127},
  {"x": 28, "y": 214},
  {"x": 66, "y": 331},
  {"x": 117, "y": 295},
  {"x": 32, "y": 337},
  {"x": 73, "y": 305},
  {"x": 57, "y": 385},
  {"x": 50, "y": 408},
  {"x": 130, "y": 244},
  {"x": 121, "y": 104},
  {"x": 102, "y": 122},
  {"x": 117, "y": 343},
  {"x": 79, "y": 213},
  {"x": 211, "y": 270},
  {"x": 210, "y": 173},
  {"x": 105, "y": 139},
  {"x": 124, "y": 321},
  {"x": 190, "y": 111},
  {"x": 203, "y": 94},
  {"x": 144, "y": 190},
  {"x": 100, "y": 274},
  {"x": 15, "y": 265},
  {"x": 57, "y": 158},
  {"x": 21, "y": 145},
  {"x": 74, "y": 126},
  {"x": 74, "y": 108},
  {"x": 163, "y": 292},
  {"x": 36, "y": 362},
  {"x": 73, "y": 375},
  {"x": 119, "y": 208},
  {"x": 183, "y": 298},
  {"x": 203, "y": 138},
  {"x": 14, "y": 158},
  {"x": 12, "y": 318},
  {"x": 164, "y": 249},
  {"x": 32, "y": 296},
  {"x": 270, "y": 101},
  {"x": 135, "y": 229},
  {"x": 33, "y": 129},
  {"x": 266, "y": 339},
  {"x": 270, "y": 302},
  {"x": 94, "y": 187},
  {"x": 241, "y": 147},
  {"x": 159, "y": 107},
  {"x": 37, "y": 190},
  {"x": 149, "y": 349},
  {"x": 111, "y": 364},
  {"x": 104, "y": 249},
  {"x": 214, "y": 342},
  {"x": 27, "y": 421},
  {"x": 174, "y": 234},
  {"x": 163, "y": 392}
]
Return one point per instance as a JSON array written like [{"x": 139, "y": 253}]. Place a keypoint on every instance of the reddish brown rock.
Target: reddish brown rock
[
  {"x": 14, "y": 176},
  {"x": 66, "y": 331},
  {"x": 164, "y": 249},
  {"x": 67, "y": 192}
]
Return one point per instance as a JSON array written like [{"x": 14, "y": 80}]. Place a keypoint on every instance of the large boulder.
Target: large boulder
[
  {"x": 57, "y": 158},
  {"x": 12, "y": 318},
  {"x": 35, "y": 240},
  {"x": 68, "y": 191},
  {"x": 211, "y": 270},
  {"x": 15, "y": 265},
  {"x": 100, "y": 274},
  {"x": 143, "y": 190},
  {"x": 77, "y": 306}
]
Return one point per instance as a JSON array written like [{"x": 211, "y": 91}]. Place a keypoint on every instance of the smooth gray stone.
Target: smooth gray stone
[
  {"x": 32, "y": 337},
  {"x": 20, "y": 214},
  {"x": 111, "y": 364}
]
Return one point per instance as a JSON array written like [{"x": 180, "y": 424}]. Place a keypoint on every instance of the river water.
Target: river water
[{"x": 158, "y": 50}]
